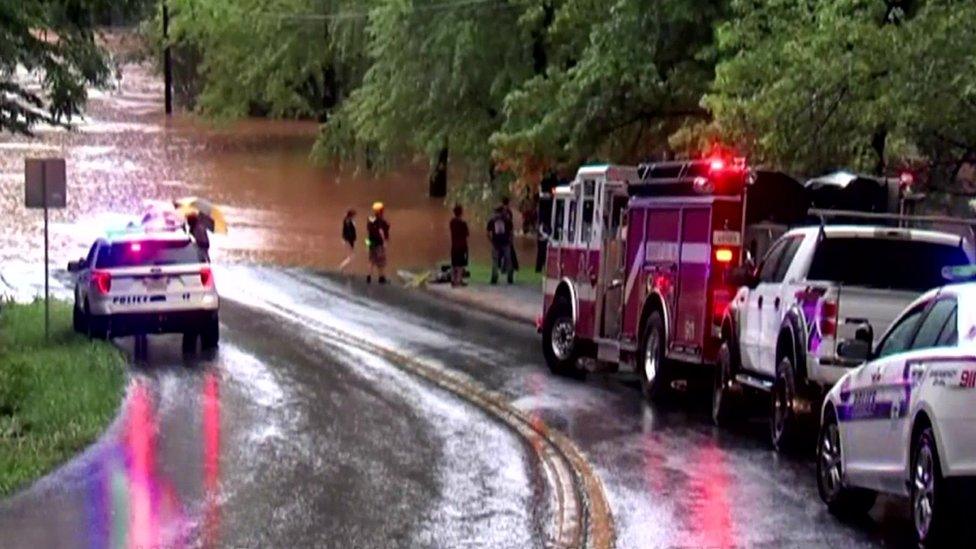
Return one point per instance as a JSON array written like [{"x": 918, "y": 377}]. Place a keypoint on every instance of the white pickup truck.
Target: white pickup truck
[{"x": 816, "y": 288}]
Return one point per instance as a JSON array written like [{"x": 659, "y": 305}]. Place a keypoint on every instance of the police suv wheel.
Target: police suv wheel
[
  {"x": 783, "y": 421},
  {"x": 841, "y": 500},
  {"x": 78, "y": 321},
  {"x": 559, "y": 345},
  {"x": 651, "y": 364},
  {"x": 210, "y": 335},
  {"x": 725, "y": 398}
]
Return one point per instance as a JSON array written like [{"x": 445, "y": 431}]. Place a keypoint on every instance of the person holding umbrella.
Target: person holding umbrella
[
  {"x": 201, "y": 216},
  {"x": 198, "y": 231}
]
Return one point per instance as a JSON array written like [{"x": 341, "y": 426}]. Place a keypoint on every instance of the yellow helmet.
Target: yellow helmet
[{"x": 377, "y": 206}]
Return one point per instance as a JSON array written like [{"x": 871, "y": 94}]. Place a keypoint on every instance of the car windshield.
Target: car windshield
[
  {"x": 884, "y": 263},
  {"x": 148, "y": 252}
]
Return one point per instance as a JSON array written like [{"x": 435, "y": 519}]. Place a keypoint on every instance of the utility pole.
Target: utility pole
[{"x": 167, "y": 62}]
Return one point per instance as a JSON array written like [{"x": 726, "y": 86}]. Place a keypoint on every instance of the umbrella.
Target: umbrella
[{"x": 209, "y": 212}]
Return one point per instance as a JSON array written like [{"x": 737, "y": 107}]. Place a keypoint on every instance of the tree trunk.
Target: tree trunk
[
  {"x": 878, "y": 141},
  {"x": 438, "y": 176},
  {"x": 540, "y": 58}
]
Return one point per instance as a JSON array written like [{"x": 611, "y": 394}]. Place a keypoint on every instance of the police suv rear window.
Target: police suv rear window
[
  {"x": 894, "y": 264},
  {"x": 148, "y": 253}
]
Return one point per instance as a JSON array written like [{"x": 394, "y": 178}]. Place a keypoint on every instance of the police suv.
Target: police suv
[
  {"x": 902, "y": 423},
  {"x": 140, "y": 283}
]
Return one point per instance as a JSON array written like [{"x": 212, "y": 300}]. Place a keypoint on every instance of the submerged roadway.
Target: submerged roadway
[{"x": 337, "y": 414}]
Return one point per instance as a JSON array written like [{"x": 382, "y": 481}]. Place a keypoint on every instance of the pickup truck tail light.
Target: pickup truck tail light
[
  {"x": 101, "y": 281},
  {"x": 828, "y": 319},
  {"x": 206, "y": 277}
]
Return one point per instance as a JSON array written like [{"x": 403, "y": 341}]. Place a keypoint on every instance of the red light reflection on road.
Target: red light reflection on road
[
  {"x": 211, "y": 458},
  {"x": 711, "y": 516},
  {"x": 131, "y": 503}
]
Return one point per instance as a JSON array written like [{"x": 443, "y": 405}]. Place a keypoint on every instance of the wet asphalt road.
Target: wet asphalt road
[{"x": 286, "y": 438}]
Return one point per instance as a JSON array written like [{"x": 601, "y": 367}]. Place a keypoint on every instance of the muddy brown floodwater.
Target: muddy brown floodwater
[{"x": 281, "y": 208}]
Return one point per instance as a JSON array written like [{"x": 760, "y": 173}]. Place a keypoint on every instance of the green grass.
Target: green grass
[
  {"x": 525, "y": 276},
  {"x": 56, "y": 396}
]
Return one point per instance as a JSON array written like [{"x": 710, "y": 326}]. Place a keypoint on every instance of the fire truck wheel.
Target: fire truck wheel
[
  {"x": 783, "y": 421},
  {"x": 725, "y": 398},
  {"x": 559, "y": 341},
  {"x": 652, "y": 366}
]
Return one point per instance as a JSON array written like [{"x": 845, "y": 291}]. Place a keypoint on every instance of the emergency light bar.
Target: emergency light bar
[{"x": 944, "y": 219}]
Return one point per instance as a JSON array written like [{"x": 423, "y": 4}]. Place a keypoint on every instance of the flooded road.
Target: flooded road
[
  {"x": 282, "y": 209},
  {"x": 284, "y": 439}
]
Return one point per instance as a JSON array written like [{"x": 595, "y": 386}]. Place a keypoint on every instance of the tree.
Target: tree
[
  {"x": 619, "y": 82},
  {"x": 868, "y": 85},
  {"x": 281, "y": 58},
  {"x": 48, "y": 58},
  {"x": 437, "y": 79}
]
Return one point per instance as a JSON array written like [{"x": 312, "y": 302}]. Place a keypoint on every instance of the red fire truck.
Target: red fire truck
[{"x": 639, "y": 263}]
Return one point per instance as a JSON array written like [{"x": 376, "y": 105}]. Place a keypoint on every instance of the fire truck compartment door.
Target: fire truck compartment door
[{"x": 695, "y": 253}]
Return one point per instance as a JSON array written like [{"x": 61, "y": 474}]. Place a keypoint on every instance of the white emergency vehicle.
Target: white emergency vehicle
[{"x": 902, "y": 423}]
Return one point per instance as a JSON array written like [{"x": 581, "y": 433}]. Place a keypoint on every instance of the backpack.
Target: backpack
[{"x": 499, "y": 228}]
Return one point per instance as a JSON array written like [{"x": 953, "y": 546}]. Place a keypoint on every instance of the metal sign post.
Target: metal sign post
[{"x": 44, "y": 187}]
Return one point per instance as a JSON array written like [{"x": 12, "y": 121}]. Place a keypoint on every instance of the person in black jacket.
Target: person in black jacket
[{"x": 349, "y": 237}]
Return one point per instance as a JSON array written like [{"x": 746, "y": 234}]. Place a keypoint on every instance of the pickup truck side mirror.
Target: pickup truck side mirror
[
  {"x": 76, "y": 266},
  {"x": 859, "y": 348},
  {"x": 743, "y": 275}
]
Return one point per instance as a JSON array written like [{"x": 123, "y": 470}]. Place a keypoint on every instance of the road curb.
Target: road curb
[{"x": 582, "y": 516}]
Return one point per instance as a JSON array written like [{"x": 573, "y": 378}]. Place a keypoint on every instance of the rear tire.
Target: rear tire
[
  {"x": 96, "y": 327},
  {"x": 189, "y": 342},
  {"x": 654, "y": 370},
  {"x": 210, "y": 335},
  {"x": 78, "y": 320},
  {"x": 931, "y": 500},
  {"x": 559, "y": 344},
  {"x": 841, "y": 500},
  {"x": 726, "y": 401},
  {"x": 784, "y": 428}
]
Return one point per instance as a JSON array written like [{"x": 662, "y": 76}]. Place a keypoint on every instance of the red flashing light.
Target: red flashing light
[
  {"x": 716, "y": 165},
  {"x": 101, "y": 281},
  {"x": 136, "y": 247},
  {"x": 723, "y": 255},
  {"x": 206, "y": 277}
]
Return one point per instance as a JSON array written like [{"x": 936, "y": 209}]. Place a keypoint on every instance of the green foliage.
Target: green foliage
[
  {"x": 437, "y": 78},
  {"x": 283, "y": 58},
  {"x": 56, "y": 396},
  {"x": 809, "y": 86},
  {"x": 48, "y": 56},
  {"x": 620, "y": 80}
]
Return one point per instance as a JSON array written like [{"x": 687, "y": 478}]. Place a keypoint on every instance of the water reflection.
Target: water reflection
[
  {"x": 131, "y": 502},
  {"x": 281, "y": 208}
]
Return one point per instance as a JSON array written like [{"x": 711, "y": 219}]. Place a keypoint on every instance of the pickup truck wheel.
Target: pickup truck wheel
[
  {"x": 931, "y": 501},
  {"x": 783, "y": 422},
  {"x": 725, "y": 399},
  {"x": 559, "y": 345},
  {"x": 841, "y": 500},
  {"x": 652, "y": 366}
]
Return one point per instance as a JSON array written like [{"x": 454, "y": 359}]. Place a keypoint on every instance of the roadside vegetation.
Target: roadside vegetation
[
  {"x": 511, "y": 89},
  {"x": 56, "y": 396}
]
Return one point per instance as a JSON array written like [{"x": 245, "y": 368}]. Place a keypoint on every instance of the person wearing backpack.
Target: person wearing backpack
[{"x": 500, "y": 228}]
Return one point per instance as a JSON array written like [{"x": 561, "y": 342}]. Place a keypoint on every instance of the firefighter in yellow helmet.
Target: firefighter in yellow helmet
[{"x": 377, "y": 235}]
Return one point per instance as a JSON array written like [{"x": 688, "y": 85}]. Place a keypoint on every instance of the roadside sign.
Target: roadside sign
[
  {"x": 44, "y": 183},
  {"x": 45, "y": 188}
]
